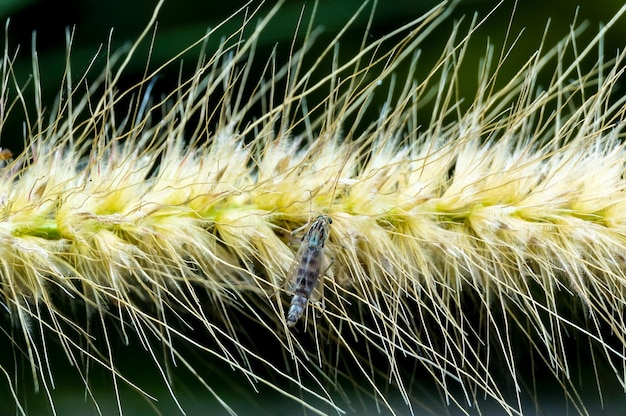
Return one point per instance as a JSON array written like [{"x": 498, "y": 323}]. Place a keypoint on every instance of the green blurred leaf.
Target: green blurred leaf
[{"x": 8, "y": 7}]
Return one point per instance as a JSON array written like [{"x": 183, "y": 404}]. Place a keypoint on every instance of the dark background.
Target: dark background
[{"x": 181, "y": 22}]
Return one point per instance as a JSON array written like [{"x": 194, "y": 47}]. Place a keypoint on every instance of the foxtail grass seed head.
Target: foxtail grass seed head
[{"x": 469, "y": 258}]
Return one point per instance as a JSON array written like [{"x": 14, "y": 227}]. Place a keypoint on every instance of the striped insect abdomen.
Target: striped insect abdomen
[{"x": 308, "y": 273}]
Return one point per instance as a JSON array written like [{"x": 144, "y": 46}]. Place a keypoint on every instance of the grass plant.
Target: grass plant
[{"x": 471, "y": 256}]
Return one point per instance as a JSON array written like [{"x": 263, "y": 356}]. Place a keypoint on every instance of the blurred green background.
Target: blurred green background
[{"x": 181, "y": 22}]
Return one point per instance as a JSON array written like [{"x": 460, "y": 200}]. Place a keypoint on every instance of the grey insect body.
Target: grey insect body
[{"x": 305, "y": 274}]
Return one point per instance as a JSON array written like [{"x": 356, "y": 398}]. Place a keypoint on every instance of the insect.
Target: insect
[
  {"x": 6, "y": 157},
  {"x": 304, "y": 276}
]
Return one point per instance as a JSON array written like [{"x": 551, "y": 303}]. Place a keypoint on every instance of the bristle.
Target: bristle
[{"x": 449, "y": 243}]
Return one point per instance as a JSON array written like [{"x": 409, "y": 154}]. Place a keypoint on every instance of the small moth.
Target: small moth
[{"x": 304, "y": 275}]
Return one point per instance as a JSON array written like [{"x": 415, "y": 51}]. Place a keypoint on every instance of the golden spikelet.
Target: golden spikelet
[{"x": 467, "y": 258}]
